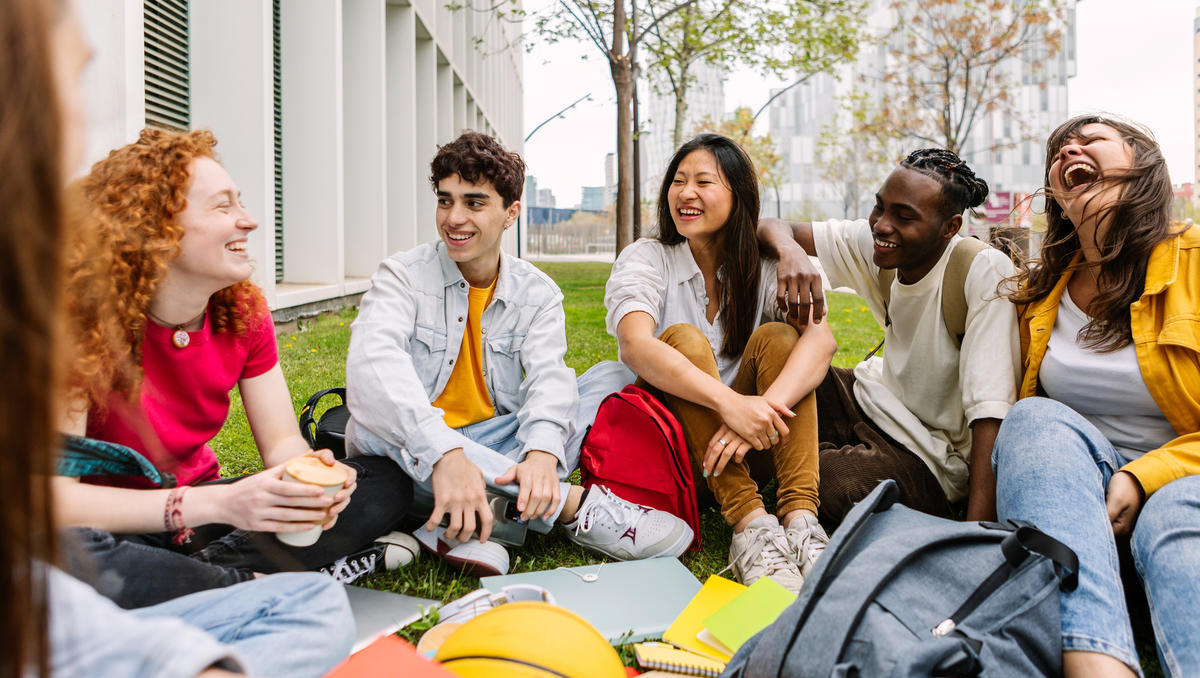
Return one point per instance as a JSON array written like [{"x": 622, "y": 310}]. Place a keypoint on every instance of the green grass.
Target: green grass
[{"x": 314, "y": 358}]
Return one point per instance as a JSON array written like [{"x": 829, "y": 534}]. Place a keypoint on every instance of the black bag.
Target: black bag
[
  {"x": 903, "y": 594},
  {"x": 329, "y": 432}
]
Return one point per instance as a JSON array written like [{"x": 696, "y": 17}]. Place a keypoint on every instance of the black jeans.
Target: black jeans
[{"x": 138, "y": 570}]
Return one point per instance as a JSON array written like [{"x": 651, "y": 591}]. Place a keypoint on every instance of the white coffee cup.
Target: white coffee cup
[{"x": 312, "y": 471}]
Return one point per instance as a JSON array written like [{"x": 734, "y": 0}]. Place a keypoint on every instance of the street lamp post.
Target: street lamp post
[{"x": 525, "y": 204}]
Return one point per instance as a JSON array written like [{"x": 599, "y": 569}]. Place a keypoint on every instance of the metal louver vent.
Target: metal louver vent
[
  {"x": 278, "y": 121},
  {"x": 168, "y": 88}
]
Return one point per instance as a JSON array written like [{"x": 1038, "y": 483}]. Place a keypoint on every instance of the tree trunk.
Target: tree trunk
[
  {"x": 622, "y": 75},
  {"x": 681, "y": 90}
]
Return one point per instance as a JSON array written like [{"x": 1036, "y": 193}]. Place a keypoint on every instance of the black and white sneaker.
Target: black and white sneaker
[{"x": 390, "y": 552}]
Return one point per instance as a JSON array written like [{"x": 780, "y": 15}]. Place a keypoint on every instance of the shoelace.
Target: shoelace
[
  {"x": 346, "y": 570},
  {"x": 773, "y": 550},
  {"x": 621, "y": 511},
  {"x": 812, "y": 543}
]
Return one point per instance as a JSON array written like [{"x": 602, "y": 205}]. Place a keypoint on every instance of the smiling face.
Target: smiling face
[
  {"x": 1095, "y": 151},
  {"x": 908, "y": 224},
  {"x": 215, "y": 229},
  {"x": 471, "y": 219},
  {"x": 700, "y": 197}
]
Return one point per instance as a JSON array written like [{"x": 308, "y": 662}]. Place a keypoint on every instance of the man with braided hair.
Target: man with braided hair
[{"x": 925, "y": 412}]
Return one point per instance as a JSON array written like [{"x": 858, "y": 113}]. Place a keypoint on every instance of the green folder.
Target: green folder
[
  {"x": 750, "y": 612},
  {"x": 627, "y": 602}
]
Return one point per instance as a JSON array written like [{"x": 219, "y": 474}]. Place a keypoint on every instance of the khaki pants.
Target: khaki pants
[{"x": 793, "y": 463}]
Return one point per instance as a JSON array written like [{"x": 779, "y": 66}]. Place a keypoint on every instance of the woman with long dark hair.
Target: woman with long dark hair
[
  {"x": 1105, "y": 442},
  {"x": 695, "y": 317}
]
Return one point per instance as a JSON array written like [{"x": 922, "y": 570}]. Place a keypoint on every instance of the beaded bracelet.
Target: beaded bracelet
[{"x": 173, "y": 516}]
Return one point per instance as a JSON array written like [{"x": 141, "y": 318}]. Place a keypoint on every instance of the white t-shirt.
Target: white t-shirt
[
  {"x": 1106, "y": 388},
  {"x": 665, "y": 281},
  {"x": 923, "y": 391}
]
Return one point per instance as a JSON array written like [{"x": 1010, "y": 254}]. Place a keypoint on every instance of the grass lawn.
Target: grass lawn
[{"x": 314, "y": 358}]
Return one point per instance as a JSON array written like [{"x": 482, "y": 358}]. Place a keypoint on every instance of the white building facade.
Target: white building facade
[{"x": 327, "y": 113}]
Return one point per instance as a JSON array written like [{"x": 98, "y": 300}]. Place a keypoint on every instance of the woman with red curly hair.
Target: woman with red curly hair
[{"x": 169, "y": 323}]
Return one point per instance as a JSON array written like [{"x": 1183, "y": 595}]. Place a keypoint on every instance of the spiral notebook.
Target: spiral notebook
[{"x": 663, "y": 656}]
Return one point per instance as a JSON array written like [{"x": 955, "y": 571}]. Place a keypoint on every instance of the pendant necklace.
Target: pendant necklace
[{"x": 180, "y": 338}]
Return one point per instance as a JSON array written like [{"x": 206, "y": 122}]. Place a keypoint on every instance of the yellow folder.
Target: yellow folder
[{"x": 714, "y": 595}]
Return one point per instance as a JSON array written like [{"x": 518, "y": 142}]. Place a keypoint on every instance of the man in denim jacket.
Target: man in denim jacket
[{"x": 456, "y": 372}]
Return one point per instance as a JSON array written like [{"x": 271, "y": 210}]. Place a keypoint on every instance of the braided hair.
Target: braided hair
[{"x": 961, "y": 189}]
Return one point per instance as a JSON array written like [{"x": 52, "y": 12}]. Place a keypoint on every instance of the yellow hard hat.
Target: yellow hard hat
[{"x": 529, "y": 640}]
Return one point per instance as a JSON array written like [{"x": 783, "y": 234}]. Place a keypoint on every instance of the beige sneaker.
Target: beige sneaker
[
  {"x": 807, "y": 540},
  {"x": 762, "y": 550}
]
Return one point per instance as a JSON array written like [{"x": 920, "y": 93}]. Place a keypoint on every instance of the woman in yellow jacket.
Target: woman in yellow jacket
[{"x": 1104, "y": 442}]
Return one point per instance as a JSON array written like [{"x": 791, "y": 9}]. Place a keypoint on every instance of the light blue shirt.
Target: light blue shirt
[{"x": 406, "y": 339}]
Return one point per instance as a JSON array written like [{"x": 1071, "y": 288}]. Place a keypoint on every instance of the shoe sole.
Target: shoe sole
[
  {"x": 469, "y": 566},
  {"x": 405, "y": 542},
  {"x": 673, "y": 551}
]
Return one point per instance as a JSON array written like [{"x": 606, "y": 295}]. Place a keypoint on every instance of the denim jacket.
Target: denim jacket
[
  {"x": 1165, "y": 324},
  {"x": 406, "y": 339}
]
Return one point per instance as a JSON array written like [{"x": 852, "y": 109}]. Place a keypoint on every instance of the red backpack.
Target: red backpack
[{"x": 636, "y": 449}]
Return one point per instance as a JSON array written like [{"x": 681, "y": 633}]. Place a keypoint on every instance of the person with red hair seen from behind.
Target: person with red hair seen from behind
[
  {"x": 296, "y": 624},
  {"x": 170, "y": 323}
]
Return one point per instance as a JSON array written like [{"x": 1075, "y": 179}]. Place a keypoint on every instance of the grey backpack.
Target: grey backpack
[{"x": 899, "y": 593}]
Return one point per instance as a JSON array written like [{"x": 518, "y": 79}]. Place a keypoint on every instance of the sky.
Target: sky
[{"x": 1133, "y": 59}]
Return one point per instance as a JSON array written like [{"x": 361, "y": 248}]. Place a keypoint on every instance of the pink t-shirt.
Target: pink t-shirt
[{"x": 185, "y": 398}]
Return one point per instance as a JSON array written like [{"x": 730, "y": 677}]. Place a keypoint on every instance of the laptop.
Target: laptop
[
  {"x": 625, "y": 601},
  {"x": 379, "y": 613}
]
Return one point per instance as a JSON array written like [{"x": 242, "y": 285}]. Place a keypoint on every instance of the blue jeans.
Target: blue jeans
[
  {"x": 1166, "y": 551},
  {"x": 287, "y": 625},
  {"x": 1052, "y": 468},
  {"x": 496, "y": 448}
]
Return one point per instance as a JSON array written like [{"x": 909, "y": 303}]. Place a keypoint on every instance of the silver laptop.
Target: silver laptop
[{"x": 378, "y": 613}]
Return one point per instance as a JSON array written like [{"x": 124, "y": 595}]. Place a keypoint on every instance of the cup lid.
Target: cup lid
[{"x": 308, "y": 469}]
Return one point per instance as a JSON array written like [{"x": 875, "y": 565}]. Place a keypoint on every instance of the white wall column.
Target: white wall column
[
  {"x": 364, "y": 87},
  {"x": 445, "y": 99},
  {"x": 404, "y": 179},
  {"x": 314, "y": 225},
  {"x": 234, "y": 37},
  {"x": 426, "y": 105},
  {"x": 115, "y": 81}
]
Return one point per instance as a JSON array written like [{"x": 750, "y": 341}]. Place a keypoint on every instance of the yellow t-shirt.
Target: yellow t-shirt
[{"x": 465, "y": 399}]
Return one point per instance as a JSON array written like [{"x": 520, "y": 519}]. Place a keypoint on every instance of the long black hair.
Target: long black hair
[{"x": 738, "y": 255}]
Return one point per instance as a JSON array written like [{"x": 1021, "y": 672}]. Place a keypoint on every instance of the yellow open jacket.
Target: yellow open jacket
[{"x": 1166, "y": 335}]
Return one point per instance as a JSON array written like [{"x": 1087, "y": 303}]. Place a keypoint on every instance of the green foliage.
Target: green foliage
[{"x": 796, "y": 37}]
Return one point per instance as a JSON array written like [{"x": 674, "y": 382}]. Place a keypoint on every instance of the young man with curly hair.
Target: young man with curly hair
[{"x": 456, "y": 371}]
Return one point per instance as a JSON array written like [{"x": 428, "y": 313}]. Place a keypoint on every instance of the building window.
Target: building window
[
  {"x": 168, "y": 82},
  {"x": 277, "y": 101}
]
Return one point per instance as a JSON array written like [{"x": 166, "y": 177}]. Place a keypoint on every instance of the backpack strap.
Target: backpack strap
[
  {"x": 954, "y": 294},
  {"x": 307, "y": 424},
  {"x": 954, "y": 281}
]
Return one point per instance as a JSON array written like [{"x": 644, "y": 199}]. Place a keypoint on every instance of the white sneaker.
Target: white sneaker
[
  {"x": 488, "y": 559},
  {"x": 807, "y": 540},
  {"x": 626, "y": 531},
  {"x": 762, "y": 550},
  {"x": 390, "y": 552}
]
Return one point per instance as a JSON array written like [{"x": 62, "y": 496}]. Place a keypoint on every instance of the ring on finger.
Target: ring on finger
[{"x": 722, "y": 441}]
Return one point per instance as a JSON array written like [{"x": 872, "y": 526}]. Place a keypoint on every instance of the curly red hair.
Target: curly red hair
[{"x": 126, "y": 236}]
